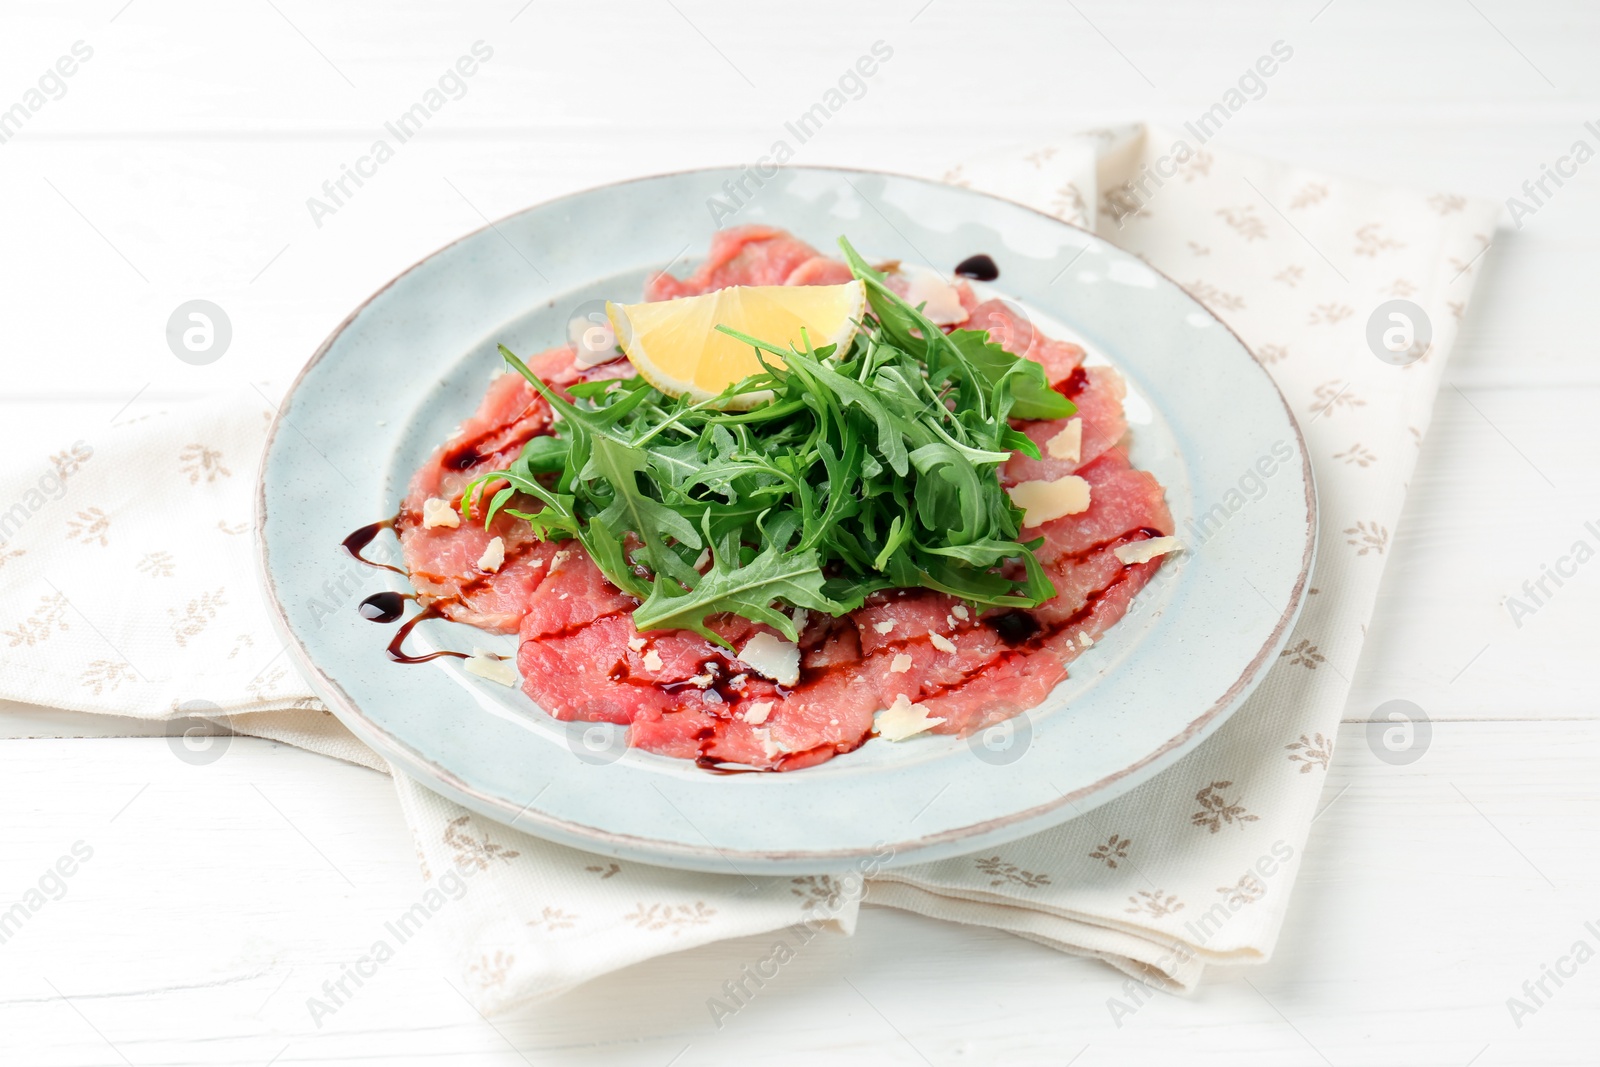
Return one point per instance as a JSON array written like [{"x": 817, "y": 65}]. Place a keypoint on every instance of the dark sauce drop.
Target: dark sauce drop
[
  {"x": 1013, "y": 627},
  {"x": 383, "y": 607},
  {"x": 1072, "y": 384},
  {"x": 463, "y": 457},
  {"x": 396, "y": 647},
  {"x": 980, "y": 268},
  {"x": 357, "y": 542},
  {"x": 720, "y": 691},
  {"x": 716, "y": 766}
]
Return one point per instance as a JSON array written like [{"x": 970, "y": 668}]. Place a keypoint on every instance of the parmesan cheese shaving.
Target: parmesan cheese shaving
[
  {"x": 1068, "y": 444},
  {"x": 943, "y": 301},
  {"x": 493, "y": 556},
  {"x": 486, "y": 664},
  {"x": 1043, "y": 501},
  {"x": 903, "y": 719},
  {"x": 1147, "y": 550},
  {"x": 772, "y": 657},
  {"x": 436, "y": 512},
  {"x": 769, "y": 747}
]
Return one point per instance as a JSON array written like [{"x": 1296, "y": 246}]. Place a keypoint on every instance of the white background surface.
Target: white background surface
[{"x": 219, "y": 898}]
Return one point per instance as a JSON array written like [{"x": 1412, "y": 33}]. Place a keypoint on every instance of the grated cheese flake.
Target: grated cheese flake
[
  {"x": 903, "y": 719},
  {"x": 486, "y": 664},
  {"x": 493, "y": 556},
  {"x": 772, "y": 657},
  {"x": 437, "y": 512},
  {"x": 1068, "y": 444},
  {"x": 1147, "y": 550},
  {"x": 1042, "y": 501}
]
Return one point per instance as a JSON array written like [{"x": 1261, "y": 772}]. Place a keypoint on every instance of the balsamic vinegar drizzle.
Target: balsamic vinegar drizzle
[
  {"x": 396, "y": 649},
  {"x": 980, "y": 268},
  {"x": 1017, "y": 628},
  {"x": 384, "y": 607},
  {"x": 1013, "y": 627},
  {"x": 357, "y": 542},
  {"x": 1074, "y": 383},
  {"x": 387, "y": 606}
]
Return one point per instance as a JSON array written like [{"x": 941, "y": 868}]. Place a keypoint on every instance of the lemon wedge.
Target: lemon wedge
[{"x": 675, "y": 344}]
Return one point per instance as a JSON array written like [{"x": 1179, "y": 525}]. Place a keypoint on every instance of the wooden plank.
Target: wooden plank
[{"x": 221, "y": 897}]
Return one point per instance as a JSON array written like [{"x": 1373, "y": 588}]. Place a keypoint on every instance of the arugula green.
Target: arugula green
[{"x": 869, "y": 469}]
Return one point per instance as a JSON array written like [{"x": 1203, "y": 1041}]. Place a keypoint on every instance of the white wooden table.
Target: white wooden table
[{"x": 177, "y": 164}]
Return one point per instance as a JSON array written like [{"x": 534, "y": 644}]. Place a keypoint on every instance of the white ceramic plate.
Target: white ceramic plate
[{"x": 395, "y": 378}]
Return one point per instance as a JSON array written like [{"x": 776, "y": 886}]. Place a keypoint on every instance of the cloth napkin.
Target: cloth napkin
[{"x": 109, "y": 605}]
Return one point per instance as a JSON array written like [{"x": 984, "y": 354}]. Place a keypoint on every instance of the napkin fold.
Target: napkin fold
[{"x": 127, "y": 587}]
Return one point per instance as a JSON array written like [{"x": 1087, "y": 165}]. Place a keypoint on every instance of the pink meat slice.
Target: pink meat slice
[
  {"x": 582, "y": 659},
  {"x": 1100, "y": 413},
  {"x": 444, "y": 568},
  {"x": 1094, "y": 589},
  {"x": 442, "y": 560},
  {"x": 975, "y": 681},
  {"x": 1121, "y": 499},
  {"x": 890, "y": 619},
  {"x": 1012, "y": 331},
  {"x": 900, "y": 283},
  {"x": 578, "y": 658},
  {"x": 819, "y": 270},
  {"x": 763, "y": 255},
  {"x": 579, "y": 675},
  {"x": 573, "y": 595},
  {"x": 1103, "y": 612},
  {"x": 1011, "y": 686},
  {"x": 748, "y": 255}
]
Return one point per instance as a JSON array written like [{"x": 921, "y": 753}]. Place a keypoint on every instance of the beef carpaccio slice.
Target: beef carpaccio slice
[
  {"x": 442, "y": 560},
  {"x": 683, "y": 696}
]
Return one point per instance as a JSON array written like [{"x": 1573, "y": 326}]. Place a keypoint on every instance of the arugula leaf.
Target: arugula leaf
[
  {"x": 747, "y": 589},
  {"x": 633, "y": 511},
  {"x": 870, "y": 468},
  {"x": 1031, "y": 395}
]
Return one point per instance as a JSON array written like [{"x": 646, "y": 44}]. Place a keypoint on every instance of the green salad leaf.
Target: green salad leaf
[{"x": 869, "y": 469}]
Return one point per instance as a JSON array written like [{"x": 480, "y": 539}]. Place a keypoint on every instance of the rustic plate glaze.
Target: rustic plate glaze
[{"x": 398, "y": 374}]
